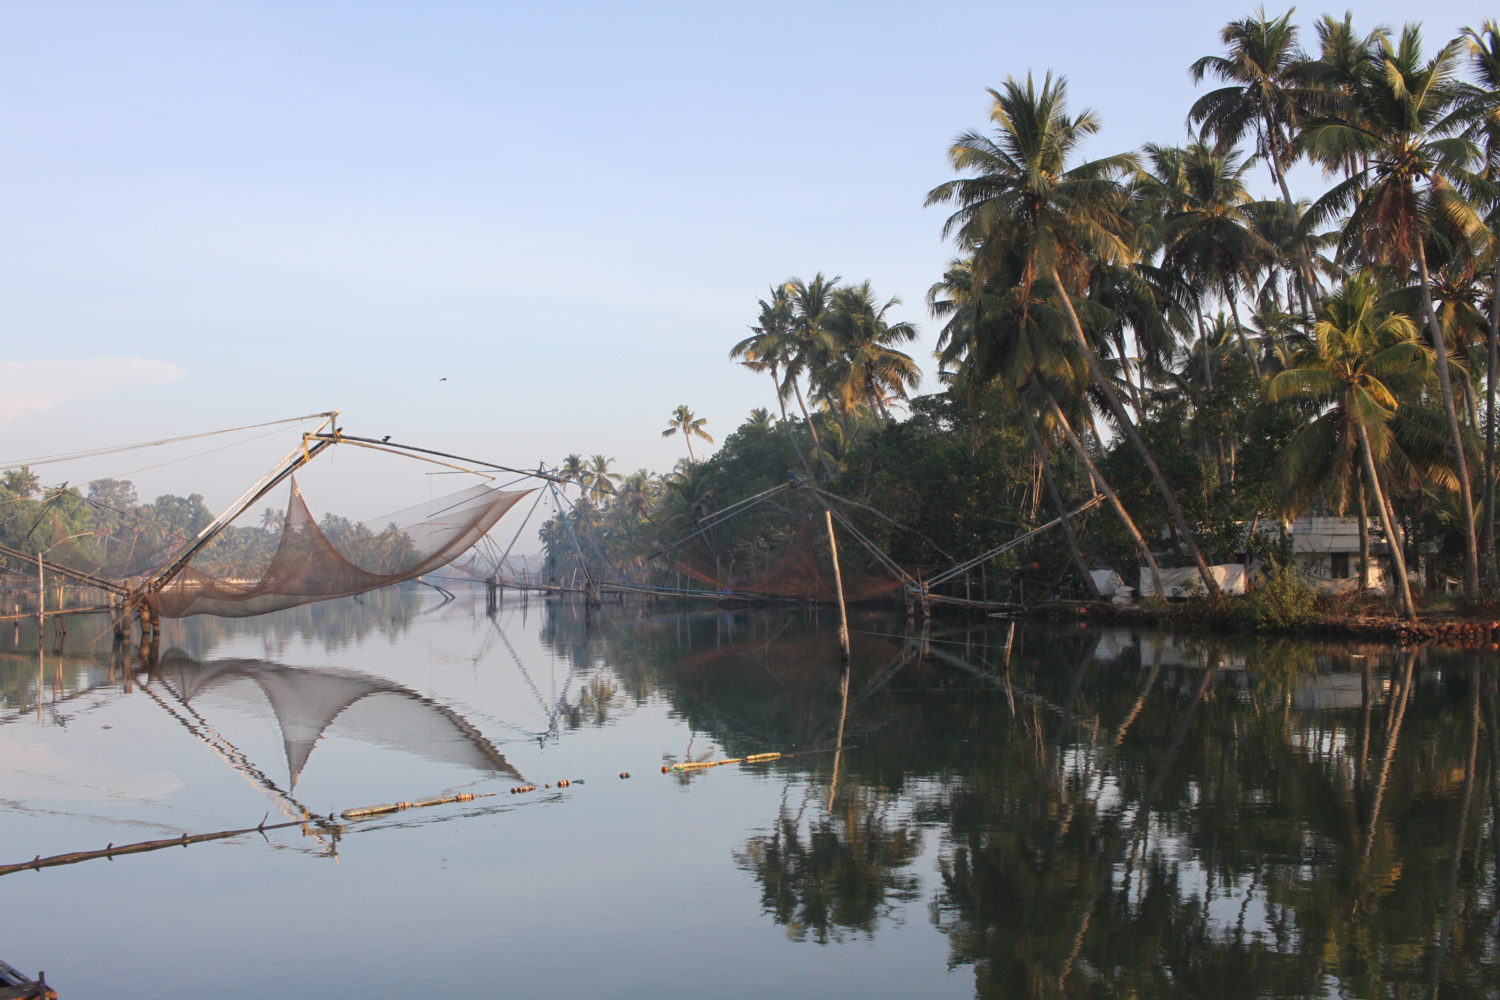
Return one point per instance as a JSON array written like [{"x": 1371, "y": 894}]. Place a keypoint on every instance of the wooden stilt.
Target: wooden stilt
[{"x": 838, "y": 580}]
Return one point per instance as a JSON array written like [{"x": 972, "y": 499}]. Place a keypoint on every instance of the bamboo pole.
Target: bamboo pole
[
  {"x": 838, "y": 580},
  {"x": 74, "y": 858}
]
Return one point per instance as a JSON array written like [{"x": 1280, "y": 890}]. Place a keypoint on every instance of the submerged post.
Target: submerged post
[{"x": 838, "y": 580}]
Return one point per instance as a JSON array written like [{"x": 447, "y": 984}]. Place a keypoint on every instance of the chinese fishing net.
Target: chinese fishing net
[{"x": 316, "y": 561}]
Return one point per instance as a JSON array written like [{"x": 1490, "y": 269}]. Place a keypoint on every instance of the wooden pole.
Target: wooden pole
[{"x": 838, "y": 580}]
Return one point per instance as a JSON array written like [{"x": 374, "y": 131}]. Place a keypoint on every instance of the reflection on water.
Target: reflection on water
[{"x": 1003, "y": 811}]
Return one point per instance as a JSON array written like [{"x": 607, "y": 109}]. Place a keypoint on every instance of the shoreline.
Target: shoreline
[{"x": 1436, "y": 628}]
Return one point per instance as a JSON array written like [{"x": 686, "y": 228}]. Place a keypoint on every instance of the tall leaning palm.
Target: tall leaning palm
[
  {"x": 685, "y": 422},
  {"x": 1365, "y": 360},
  {"x": 1024, "y": 201},
  {"x": 1400, "y": 128}
]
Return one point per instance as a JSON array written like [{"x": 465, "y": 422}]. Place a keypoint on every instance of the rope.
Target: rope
[
  {"x": 964, "y": 567},
  {"x": 116, "y": 449}
]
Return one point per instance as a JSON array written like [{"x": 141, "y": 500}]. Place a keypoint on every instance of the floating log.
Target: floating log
[
  {"x": 141, "y": 847},
  {"x": 695, "y": 765},
  {"x": 389, "y": 807}
]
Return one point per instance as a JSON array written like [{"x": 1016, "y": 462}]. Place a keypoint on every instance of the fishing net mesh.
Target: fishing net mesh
[
  {"x": 800, "y": 575},
  {"x": 337, "y": 558}
]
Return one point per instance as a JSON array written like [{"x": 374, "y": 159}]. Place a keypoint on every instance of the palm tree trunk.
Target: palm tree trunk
[
  {"x": 1401, "y": 694},
  {"x": 1392, "y": 532},
  {"x": 1460, "y": 462},
  {"x": 817, "y": 441},
  {"x": 1174, "y": 510},
  {"x": 1102, "y": 485},
  {"x": 1492, "y": 362},
  {"x": 1239, "y": 332},
  {"x": 1136, "y": 401},
  {"x": 1306, "y": 285},
  {"x": 801, "y": 458},
  {"x": 1057, "y": 502},
  {"x": 1364, "y": 542},
  {"x": 1208, "y": 369}
]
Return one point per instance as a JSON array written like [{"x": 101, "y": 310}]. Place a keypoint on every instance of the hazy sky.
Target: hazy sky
[{"x": 508, "y": 230}]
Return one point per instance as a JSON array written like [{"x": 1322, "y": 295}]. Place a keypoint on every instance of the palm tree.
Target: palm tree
[
  {"x": 573, "y": 470},
  {"x": 1400, "y": 127},
  {"x": 1268, "y": 89},
  {"x": 1266, "y": 75},
  {"x": 770, "y": 349},
  {"x": 770, "y": 346},
  {"x": 1484, "y": 52},
  {"x": 637, "y": 493},
  {"x": 598, "y": 481},
  {"x": 862, "y": 368},
  {"x": 987, "y": 341},
  {"x": 21, "y": 481},
  {"x": 1023, "y": 199},
  {"x": 1208, "y": 236},
  {"x": 690, "y": 426},
  {"x": 1364, "y": 361},
  {"x": 811, "y": 345}
]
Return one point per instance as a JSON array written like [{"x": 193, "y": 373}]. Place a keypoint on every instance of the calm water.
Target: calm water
[{"x": 1015, "y": 811}]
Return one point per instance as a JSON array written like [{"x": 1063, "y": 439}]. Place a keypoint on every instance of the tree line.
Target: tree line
[{"x": 1139, "y": 325}]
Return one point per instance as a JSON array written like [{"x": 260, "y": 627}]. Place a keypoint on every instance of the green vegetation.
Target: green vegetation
[
  {"x": 1140, "y": 325},
  {"x": 105, "y": 530}
]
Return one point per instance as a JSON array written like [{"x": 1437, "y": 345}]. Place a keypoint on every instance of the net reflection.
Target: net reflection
[{"x": 306, "y": 704}]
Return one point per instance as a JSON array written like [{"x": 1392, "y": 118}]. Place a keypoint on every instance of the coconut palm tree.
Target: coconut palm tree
[
  {"x": 1208, "y": 233},
  {"x": 1266, "y": 76},
  {"x": 811, "y": 345},
  {"x": 770, "y": 345},
  {"x": 862, "y": 368},
  {"x": 573, "y": 470},
  {"x": 689, "y": 425},
  {"x": 1400, "y": 125},
  {"x": 1365, "y": 361},
  {"x": 1484, "y": 113},
  {"x": 21, "y": 481},
  {"x": 598, "y": 481},
  {"x": 1024, "y": 200},
  {"x": 986, "y": 341},
  {"x": 770, "y": 348},
  {"x": 1269, "y": 89}
]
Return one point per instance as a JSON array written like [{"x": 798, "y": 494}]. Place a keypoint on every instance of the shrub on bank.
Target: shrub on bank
[{"x": 1281, "y": 600}]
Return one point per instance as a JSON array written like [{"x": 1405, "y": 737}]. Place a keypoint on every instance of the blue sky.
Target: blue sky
[{"x": 565, "y": 212}]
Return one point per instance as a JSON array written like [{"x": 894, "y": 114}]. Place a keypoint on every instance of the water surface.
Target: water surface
[{"x": 988, "y": 810}]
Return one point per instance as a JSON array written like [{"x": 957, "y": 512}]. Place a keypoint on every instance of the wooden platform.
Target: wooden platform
[{"x": 14, "y": 985}]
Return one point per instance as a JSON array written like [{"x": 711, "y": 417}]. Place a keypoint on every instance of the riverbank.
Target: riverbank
[{"x": 1362, "y": 623}]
